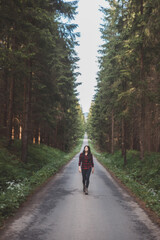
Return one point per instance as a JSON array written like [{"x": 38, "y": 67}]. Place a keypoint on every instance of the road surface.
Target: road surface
[{"x": 61, "y": 211}]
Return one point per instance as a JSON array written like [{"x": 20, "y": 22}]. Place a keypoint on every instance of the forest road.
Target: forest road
[{"x": 61, "y": 211}]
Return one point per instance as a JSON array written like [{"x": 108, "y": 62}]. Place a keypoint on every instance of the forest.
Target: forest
[
  {"x": 125, "y": 112},
  {"x": 38, "y": 70},
  {"x": 41, "y": 120}
]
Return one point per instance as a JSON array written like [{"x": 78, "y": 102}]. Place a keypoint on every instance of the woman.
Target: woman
[{"x": 86, "y": 165}]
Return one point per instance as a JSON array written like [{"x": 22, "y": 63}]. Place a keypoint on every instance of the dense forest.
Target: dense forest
[
  {"x": 125, "y": 113},
  {"x": 38, "y": 70}
]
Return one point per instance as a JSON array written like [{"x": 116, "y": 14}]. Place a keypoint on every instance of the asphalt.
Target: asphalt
[{"x": 61, "y": 211}]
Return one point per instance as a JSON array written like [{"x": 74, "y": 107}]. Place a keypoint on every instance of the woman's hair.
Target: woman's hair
[{"x": 89, "y": 150}]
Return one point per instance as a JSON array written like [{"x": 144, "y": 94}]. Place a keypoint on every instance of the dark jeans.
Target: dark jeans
[{"x": 85, "y": 176}]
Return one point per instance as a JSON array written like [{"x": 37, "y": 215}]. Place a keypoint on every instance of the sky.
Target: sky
[{"x": 88, "y": 19}]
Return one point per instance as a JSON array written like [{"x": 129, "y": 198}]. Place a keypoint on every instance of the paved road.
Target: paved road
[{"x": 60, "y": 211}]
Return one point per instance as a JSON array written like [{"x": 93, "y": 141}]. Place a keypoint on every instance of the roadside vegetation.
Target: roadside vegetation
[
  {"x": 19, "y": 180},
  {"x": 141, "y": 177},
  {"x": 124, "y": 118}
]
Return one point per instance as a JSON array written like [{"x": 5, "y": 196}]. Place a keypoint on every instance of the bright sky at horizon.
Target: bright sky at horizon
[{"x": 88, "y": 19}]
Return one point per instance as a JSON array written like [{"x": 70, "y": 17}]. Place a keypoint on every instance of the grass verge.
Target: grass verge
[
  {"x": 141, "y": 177},
  {"x": 18, "y": 180}
]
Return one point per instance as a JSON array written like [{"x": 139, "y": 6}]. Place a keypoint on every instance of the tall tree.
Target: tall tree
[
  {"x": 38, "y": 72},
  {"x": 128, "y": 78}
]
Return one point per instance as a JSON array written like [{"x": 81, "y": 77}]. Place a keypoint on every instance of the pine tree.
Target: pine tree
[
  {"x": 127, "y": 89},
  {"x": 38, "y": 73}
]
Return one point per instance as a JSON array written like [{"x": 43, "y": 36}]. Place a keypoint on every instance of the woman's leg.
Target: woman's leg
[
  {"x": 84, "y": 177},
  {"x": 88, "y": 172}
]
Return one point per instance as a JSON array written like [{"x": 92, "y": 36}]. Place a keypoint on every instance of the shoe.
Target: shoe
[
  {"x": 84, "y": 188},
  {"x": 86, "y": 191}
]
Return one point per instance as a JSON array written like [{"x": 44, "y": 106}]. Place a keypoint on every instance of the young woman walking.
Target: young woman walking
[{"x": 86, "y": 165}]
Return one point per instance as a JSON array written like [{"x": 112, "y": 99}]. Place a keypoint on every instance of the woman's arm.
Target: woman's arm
[
  {"x": 92, "y": 164},
  {"x": 79, "y": 164}
]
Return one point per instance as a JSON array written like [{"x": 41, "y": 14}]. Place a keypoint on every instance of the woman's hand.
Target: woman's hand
[
  {"x": 80, "y": 169},
  {"x": 92, "y": 169}
]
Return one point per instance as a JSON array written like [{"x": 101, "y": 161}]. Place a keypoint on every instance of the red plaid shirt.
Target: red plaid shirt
[{"x": 86, "y": 161}]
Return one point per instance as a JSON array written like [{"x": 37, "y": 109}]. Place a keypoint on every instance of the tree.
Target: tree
[
  {"x": 38, "y": 72},
  {"x": 127, "y": 84}
]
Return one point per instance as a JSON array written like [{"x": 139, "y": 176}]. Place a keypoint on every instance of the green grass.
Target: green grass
[
  {"x": 141, "y": 177},
  {"x": 18, "y": 180}
]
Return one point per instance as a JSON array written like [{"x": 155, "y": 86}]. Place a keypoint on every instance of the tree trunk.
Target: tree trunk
[
  {"x": 6, "y": 90},
  {"x": 10, "y": 111},
  {"x": 112, "y": 148},
  {"x": 124, "y": 142},
  {"x": 4, "y": 105},
  {"x": 26, "y": 114},
  {"x": 36, "y": 134},
  {"x": 142, "y": 121},
  {"x": 132, "y": 134}
]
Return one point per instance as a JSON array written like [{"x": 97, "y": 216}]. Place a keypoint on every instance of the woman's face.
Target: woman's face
[{"x": 86, "y": 149}]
